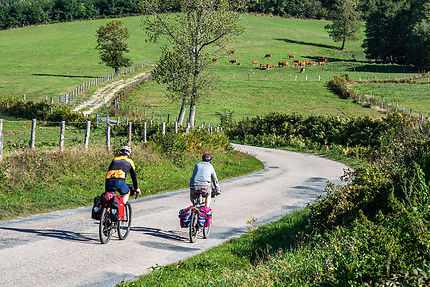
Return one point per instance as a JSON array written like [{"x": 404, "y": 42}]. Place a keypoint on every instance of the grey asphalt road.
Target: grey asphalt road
[{"x": 63, "y": 249}]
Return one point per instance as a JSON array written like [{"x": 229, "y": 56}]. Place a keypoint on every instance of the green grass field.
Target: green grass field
[
  {"x": 248, "y": 91},
  {"x": 251, "y": 98},
  {"x": 51, "y": 60},
  {"x": 409, "y": 96}
]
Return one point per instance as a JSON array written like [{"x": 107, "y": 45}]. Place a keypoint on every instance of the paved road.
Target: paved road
[{"x": 62, "y": 248}]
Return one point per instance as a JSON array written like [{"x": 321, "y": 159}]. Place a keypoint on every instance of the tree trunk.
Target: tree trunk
[
  {"x": 192, "y": 112},
  {"x": 343, "y": 43},
  {"x": 182, "y": 112}
]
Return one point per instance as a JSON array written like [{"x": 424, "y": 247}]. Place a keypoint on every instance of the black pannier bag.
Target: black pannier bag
[{"x": 97, "y": 208}]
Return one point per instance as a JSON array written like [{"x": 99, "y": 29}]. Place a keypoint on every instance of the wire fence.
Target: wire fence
[{"x": 18, "y": 135}]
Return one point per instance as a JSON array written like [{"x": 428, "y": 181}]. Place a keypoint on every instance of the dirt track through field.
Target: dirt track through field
[
  {"x": 105, "y": 94},
  {"x": 63, "y": 249}
]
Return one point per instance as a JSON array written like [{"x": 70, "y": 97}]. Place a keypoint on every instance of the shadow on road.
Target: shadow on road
[
  {"x": 156, "y": 232},
  {"x": 167, "y": 246},
  {"x": 60, "y": 234}
]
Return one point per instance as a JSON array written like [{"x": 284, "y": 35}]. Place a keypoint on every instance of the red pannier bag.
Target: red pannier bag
[{"x": 117, "y": 207}]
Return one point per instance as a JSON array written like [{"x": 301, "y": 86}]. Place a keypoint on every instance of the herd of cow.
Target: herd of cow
[{"x": 295, "y": 63}]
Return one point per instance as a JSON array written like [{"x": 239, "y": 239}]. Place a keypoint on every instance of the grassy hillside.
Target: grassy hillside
[
  {"x": 410, "y": 96},
  {"x": 49, "y": 60}
]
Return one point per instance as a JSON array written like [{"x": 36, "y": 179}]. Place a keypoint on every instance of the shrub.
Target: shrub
[{"x": 338, "y": 86}]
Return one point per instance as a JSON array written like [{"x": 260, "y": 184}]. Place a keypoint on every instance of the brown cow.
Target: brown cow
[
  {"x": 238, "y": 64},
  {"x": 262, "y": 67},
  {"x": 321, "y": 63},
  {"x": 270, "y": 66},
  {"x": 268, "y": 56},
  {"x": 254, "y": 62},
  {"x": 233, "y": 61},
  {"x": 296, "y": 64},
  {"x": 282, "y": 64},
  {"x": 291, "y": 56}
]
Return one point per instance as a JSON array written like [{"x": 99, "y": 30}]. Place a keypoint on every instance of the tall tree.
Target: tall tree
[
  {"x": 202, "y": 30},
  {"x": 418, "y": 53},
  {"x": 346, "y": 21},
  {"x": 112, "y": 46},
  {"x": 399, "y": 32},
  {"x": 387, "y": 30}
]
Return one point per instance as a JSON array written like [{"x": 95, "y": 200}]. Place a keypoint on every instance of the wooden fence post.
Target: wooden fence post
[
  {"x": 87, "y": 135},
  {"x": 163, "y": 128},
  {"x": 176, "y": 127},
  {"x": 62, "y": 129},
  {"x": 33, "y": 134},
  {"x": 1, "y": 140},
  {"x": 107, "y": 136},
  {"x": 97, "y": 120},
  {"x": 144, "y": 132},
  {"x": 130, "y": 129}
]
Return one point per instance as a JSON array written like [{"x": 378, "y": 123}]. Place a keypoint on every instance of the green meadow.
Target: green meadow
[
  {"x": 415, "y": 97},
  {"x": 51, "y": 60}
]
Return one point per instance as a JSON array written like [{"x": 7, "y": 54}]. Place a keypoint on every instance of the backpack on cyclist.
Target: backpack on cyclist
[
  {"x": 116, "y": 205},
  {"x": 185, "y": 217},
  {"x": 97, "y": 207}
]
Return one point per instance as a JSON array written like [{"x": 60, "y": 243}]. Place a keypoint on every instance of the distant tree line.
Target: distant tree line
[{"x": 19, "y": 13}]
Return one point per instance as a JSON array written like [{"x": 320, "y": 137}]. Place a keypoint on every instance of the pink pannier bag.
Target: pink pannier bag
[{"x": 206, "y": 212}]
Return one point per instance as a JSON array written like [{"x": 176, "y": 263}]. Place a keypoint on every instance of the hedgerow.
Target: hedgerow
[{"x": 373, "y": 229}]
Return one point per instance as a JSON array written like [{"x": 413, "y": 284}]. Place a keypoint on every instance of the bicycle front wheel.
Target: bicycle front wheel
[
  {"x": 194, "y": 225},
  {"x": 125, "y": 224},
  {"x": 105, "y": 227}
]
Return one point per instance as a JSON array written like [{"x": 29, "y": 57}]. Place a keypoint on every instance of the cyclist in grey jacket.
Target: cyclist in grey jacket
[{"x": 200, "y": 182}]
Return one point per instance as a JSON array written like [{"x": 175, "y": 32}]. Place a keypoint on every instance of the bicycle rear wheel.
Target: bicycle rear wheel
[
  {"x": 194, "y": 225},
  {"x": 207, "y": 230},
  {"x": 105, "y": 227},
  {"x": 125, "y": 224}
]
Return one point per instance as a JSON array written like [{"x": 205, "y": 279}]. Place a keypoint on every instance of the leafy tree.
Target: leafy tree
[
  {"x": 174, "y": 70},
  {"x": 418, "y": 51},
  {"x": 346, "y": 21},
  {"x": 387, "y": 32},
  {"x": 399, "y": 32},
  {"x": 112, "y": 46},
  {"x": 201, "y": 31}
]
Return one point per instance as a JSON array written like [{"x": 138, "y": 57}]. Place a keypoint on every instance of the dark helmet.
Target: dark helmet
[
  {"x": 125, "y": 150},
  {"x": 207, "y": 157}
]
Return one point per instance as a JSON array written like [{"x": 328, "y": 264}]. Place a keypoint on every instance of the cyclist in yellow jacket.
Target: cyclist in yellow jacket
[{"x": 117, "y": 173}]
